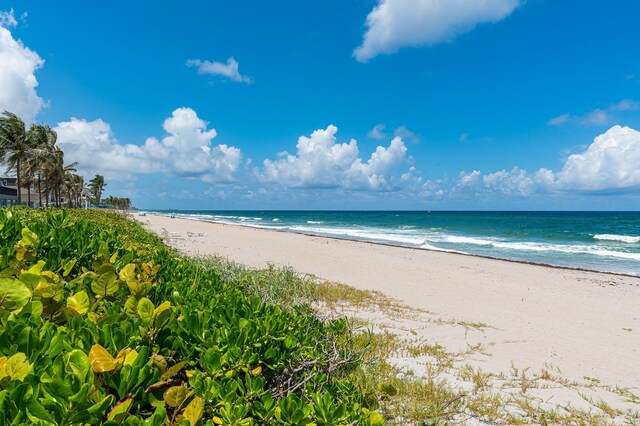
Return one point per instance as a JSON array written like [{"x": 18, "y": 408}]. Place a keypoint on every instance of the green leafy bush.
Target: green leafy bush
[{"x": 100, "y": 322}]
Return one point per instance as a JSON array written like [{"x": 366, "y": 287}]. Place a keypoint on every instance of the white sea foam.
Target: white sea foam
[
  {"x": 516, "y": 246},
  {"x": 434, "y": 240},
  {"x": 369, "y": 234},
  {"x": 612, "y": 237},
  {"x": 434, "y": 248}
]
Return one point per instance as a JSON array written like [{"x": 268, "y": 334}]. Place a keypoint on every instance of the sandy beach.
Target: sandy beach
[{"x": 582, "y": 325}]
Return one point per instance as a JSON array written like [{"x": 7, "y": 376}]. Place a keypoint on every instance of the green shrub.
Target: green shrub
[{"x": 100, "y": 322}]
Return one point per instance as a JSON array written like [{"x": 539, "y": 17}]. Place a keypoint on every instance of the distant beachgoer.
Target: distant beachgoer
[{"x": 173, "y": 216}]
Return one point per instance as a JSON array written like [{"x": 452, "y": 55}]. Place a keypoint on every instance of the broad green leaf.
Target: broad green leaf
[
  {"x": 14, "y": 294},
  {"x": 101, "y": 360},
  {"x": 130, "y": 307},
  {"x": 173, "y": 370},
  {"x": 375, "y": 418},
  {"x": 34, "y": 308},
  {"x": 16, "y": 367},
  {"x": 163, "y": 307},
  {"x": 159, "y": 362},
  {"x": 47, "y": 290},
  {"x": 37, "y": 268},
  {"x": 120, "y": 411},
  {"x": 106, "y": 267},
  {"x": 193, "y": 412},
  {"x": 128, "y": 273},
  {"x": 37, "y": 413},
  {"x": 139, "y": 288},
  {"x": 87, "y": 416},
  {"x": 103, "y": 251},
  {"x": 175, "y": 395},
  {"x": 29, "y": 238},
  {"x": 79, "y": 302},
  {"x": 145, "y": 310},
  {"x": 105, "y": 284},
  {"x": 78, "y": 364},
  {"x": 31, "y": 280}
]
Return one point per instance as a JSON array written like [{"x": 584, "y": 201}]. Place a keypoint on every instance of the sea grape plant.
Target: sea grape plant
[{"x": 101, "y": 323}]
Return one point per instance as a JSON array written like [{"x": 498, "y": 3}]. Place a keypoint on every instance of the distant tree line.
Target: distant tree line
[{"x": 33, "y": 155}]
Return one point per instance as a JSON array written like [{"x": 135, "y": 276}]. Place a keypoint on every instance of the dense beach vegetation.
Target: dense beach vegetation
[{"x": 101, "y": 322}]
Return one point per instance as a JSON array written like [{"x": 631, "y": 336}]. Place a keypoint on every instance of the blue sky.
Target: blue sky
[{"x": 501, "y": 104}]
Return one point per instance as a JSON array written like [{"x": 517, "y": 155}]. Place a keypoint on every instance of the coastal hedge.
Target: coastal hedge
[{"x": 101, "y": 323}]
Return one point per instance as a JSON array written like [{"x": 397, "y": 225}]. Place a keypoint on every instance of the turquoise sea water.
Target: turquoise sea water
[{"x": 602, "y": 241}]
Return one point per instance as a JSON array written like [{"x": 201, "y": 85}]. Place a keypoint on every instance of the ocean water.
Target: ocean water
[{"x": 601, "y": 241}]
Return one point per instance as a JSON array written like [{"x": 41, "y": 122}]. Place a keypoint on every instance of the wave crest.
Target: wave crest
[{"x": 613, "y": 237}]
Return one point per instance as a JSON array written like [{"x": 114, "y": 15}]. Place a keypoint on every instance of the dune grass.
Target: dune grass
[{"x": 445, "y": 390}]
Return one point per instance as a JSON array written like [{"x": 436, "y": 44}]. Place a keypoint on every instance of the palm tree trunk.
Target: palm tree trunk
[
  {"x": 18, "y": 181},
  {"x": 39, "y": 191},
  {"x": 29, "y": 195}
]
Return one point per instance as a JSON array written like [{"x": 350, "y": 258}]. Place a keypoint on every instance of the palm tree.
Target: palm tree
[
  {"x": 15, "y": 144},
  {"x": 44, "y": 144},
  {"x": 96, "y": 186},
  {"x": 73, "y": 185}
]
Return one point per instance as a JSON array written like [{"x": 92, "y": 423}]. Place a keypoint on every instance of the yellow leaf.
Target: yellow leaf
[
  {"x": 16, "y": 367},
  {"x": 126, "y": 356},
  {"x": 256, "y": 371},
  {"x": 128, "y": 273},
  {"x": 175, "y": 395},
  {"x": 37, "y": 268},
  {"x": 3, "y": 361},
  {"x": 163, "y": 307},
  {"x": 29, "y": 238},
  {"x": 131, "y": 357},
  {"x": 217, "y": 420},
  {"x": 79, "y": 302},
  {"x": 113, "y": 258},
  {"x": 101, "y": 360},
  {"x": 46, "y": 290},
  {"x": 194, "y": 410}
]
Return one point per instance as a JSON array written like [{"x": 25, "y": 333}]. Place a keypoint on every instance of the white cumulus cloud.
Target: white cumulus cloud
[
  {"x": 228, "y": 70},
  {"x": 18, "y": 65},
  {"x": 394, "y": 24},
  {"x": 321, "y": 162},
  {"x": 611, "y": 162},
  {"x": 93, "y": 145},
  {"x": 186, "y": 150}
]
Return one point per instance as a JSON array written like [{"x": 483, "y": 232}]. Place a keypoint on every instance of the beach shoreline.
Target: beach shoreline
[
  {"x": 308, "y": 234},
  {"x": 581, "y": 324}
]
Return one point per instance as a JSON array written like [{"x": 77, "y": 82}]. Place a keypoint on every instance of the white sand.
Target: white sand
[{"x": 575, "y": 322}]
